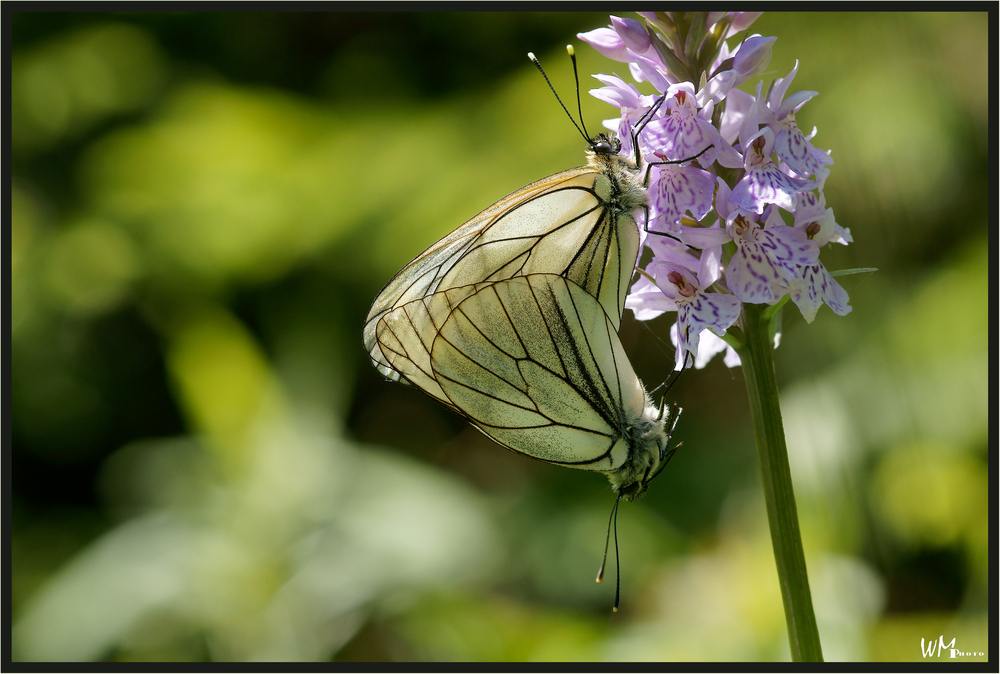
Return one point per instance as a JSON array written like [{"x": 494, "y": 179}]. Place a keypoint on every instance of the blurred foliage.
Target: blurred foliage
[{"x": 205, "y": 467}]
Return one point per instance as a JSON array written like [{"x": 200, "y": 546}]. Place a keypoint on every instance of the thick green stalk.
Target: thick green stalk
[{"x": 762, "y": 388}]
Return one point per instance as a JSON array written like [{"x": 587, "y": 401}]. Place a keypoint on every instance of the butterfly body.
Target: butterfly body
[{"x": 622, "y": 187}]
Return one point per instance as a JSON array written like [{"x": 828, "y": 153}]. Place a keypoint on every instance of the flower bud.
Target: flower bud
[
  {"x": 752, "y": 57},
  {"x": 607, "y": 43},
  {"x": 742, "y": 21},
  {"x": 632, "y": 34}
]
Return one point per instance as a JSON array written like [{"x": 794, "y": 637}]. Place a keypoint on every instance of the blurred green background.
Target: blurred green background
[{"x": 206, "y": 467}]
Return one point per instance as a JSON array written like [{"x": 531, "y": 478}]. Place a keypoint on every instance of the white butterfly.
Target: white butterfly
[
  {"x": 578, "y": 224},
  {"x": 576, "y": 228},
  {"x": 535, "y": 363}
]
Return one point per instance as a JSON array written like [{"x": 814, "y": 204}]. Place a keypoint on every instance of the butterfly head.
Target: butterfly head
[
  {"x": 605, "y": 144},
  {"x": 649, "y": 451}
]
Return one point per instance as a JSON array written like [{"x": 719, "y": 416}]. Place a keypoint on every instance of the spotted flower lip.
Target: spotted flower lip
[
  {"x": 764, "y": 183},
  {"x": 813, "y": 287},
  {"x": 767, "y": 258},
  {"x": 679, "y": 132},
  {"x": 697, "y": 309},
  {"x": 791, "y": 146},
  {"x": 679, "y": 190},
  {"x": 727, "y": 171}
]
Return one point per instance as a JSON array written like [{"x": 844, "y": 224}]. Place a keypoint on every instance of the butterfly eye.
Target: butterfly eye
[{"x": 604, "y": 145}]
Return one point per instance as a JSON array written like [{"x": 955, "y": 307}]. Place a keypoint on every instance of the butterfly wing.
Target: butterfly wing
[
  {"x": 558, "y": 225},
  {"x": 406, "y": 335},
  {"x": 537, "y": 365}
]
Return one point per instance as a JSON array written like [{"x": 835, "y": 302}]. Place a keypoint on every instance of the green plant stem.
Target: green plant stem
[{"x": 762, "y": 389}]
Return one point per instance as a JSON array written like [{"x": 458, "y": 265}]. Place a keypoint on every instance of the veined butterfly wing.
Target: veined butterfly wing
[
  {"x": 578, "y": 224},
  {"x": 407, "y": 333},
  {"x": 536, "y": 364}
]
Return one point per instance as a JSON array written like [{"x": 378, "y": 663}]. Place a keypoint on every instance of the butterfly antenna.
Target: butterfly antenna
[
  {"x": 612, "y": 524},
  {"x": 607, "y": 540},
  {"x": 576, "y": 78},
  {"x": 618, "y": 566},
  {"x": 539, "y": 66}
]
